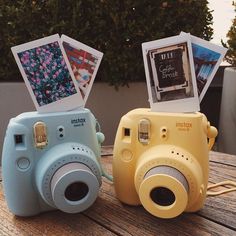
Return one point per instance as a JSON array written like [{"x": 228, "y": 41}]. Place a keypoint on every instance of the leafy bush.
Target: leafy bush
[
  {"x": 117, "y": 28},
  {"x": 231, "y": 43}
]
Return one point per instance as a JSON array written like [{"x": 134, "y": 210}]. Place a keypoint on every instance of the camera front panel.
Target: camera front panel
[
  {"x": 146, "y": 140},
  {"x": 28, "y": 138}
]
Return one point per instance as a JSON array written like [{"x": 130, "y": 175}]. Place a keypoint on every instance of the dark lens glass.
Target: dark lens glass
[
  {"x": 162, "y": 196},
  {"x": 76, "y": 191}
]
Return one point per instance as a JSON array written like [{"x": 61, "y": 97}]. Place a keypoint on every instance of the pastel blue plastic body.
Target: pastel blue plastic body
[{"x": 35, "y": 179}]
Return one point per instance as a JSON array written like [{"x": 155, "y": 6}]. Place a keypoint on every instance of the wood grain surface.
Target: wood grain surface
[{"x": 108, "y": 216}]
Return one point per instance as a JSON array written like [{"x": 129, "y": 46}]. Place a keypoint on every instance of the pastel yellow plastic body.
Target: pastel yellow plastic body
[{"x": 178, "y": 141}]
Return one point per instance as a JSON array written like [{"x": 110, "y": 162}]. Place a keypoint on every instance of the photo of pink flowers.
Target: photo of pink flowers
[
  {"x": 84, "y": 62},
  {"x": 83, "y": 65},
  {"x": 47, "y": 73}
]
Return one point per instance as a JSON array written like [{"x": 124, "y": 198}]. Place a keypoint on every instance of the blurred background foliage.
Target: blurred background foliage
[
  {"x": 231, "y": 42},
  {"x": 117, "y": 28}
]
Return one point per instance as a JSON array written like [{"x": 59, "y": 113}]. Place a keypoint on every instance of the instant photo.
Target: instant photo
[
  {"x": 47, "y": 74},
  {"x": 207, "y": 58},
  {"x": 170, "y": 75},
  {"x": 84, "y": 62}
]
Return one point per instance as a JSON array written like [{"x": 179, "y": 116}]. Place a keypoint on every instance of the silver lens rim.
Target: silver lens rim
[{"x": 67, "y": 175}]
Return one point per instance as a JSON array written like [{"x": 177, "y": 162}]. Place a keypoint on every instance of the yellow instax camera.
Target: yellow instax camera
[{"x": 161, "y": 161}]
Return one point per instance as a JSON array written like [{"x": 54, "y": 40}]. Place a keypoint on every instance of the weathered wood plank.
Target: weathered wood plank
[
  {"x": 137, "y": 221},
  {"x": 108, "y": 216},
  {"x": 53, "y": 223},
  {"x": 223, "y": 158},
  {"x": 50, "y": 223},
  {"x": 107, "y": 150},
  {"x": 219, "y": 172},
  {"x": 221, "y": 209},
  {"x": 214, "y": 206},
  {"x": 212, "y": 210}
]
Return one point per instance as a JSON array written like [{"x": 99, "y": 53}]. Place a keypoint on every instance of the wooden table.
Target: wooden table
[{"x": 109, "y": 217}]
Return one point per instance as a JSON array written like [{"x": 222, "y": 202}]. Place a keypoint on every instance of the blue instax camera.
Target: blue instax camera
[{"x": 51, "y": 161}]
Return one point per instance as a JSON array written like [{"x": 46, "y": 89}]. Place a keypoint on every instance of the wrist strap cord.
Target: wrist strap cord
[
  {"x": 106, "y": 175},
  {"x": 223, "y": 183},
  {"x": 212, "y": 132}
]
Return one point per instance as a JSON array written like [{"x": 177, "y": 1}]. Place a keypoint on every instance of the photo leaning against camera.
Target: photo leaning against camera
[
  {"x": 161, "y": 155},
  {"x": 51, "y": 157}
]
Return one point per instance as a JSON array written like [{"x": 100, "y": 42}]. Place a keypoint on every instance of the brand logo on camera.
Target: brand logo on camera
[
  {"x": 78, "y": 122},
  {"x": 184, "y": 126}
]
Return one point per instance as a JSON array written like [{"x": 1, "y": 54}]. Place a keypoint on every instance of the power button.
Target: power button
[{"x": 126, "y": 155}]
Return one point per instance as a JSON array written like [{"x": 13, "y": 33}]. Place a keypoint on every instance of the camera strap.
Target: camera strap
[
  {"x": 223, "y": 183},
  {"x": 106, "y": 175}
]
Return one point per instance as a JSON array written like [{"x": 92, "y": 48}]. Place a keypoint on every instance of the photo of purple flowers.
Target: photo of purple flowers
[{"x": 47, "y": 73}]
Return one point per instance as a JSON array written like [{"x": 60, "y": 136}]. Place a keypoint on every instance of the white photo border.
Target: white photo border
[
  {"x": 213, "y": 47},
  {"x": 78, "y": 45},
  {"x": 64, "y": 104},
  {"x": 190, "y": 104}
]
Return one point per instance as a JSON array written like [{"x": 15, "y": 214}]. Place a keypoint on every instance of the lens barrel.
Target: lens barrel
[
  {"x": 164, "y": 192},
  {"x": 74, "y": 187}
]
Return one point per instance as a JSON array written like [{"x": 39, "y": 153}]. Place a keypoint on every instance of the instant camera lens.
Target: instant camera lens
[
  {"x": 164, "y": 191},
  {"x": 74, "y": 187},
  {"x": 76, "y": 191},
  {"x": 162, "y": 196}
]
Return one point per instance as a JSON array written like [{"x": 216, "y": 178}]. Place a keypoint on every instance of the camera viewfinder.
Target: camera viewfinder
[
  {"x": 126, "y": 132},
  {"x": 18, "y": 139}
]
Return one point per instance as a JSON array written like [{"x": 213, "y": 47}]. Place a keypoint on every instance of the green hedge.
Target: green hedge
[
  {"x": 115, "y": 27},
  {"x": 231, "y": 42}
]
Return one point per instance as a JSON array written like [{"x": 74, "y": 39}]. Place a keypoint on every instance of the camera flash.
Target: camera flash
[
  {"x": 40, "y": 134},
  {"x": 144, "y": 131}
]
